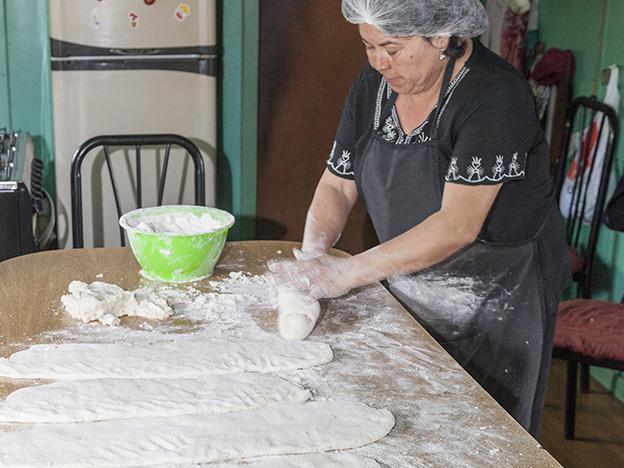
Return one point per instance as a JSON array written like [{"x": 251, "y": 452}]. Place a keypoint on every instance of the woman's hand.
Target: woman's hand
[{"x": 320, "y": 277}]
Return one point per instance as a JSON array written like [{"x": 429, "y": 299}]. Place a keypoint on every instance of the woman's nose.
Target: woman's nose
[{"x": 380, "y": 62}]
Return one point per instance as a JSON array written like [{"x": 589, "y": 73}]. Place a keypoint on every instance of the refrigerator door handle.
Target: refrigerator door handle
[{"x": 136, "y": 51}]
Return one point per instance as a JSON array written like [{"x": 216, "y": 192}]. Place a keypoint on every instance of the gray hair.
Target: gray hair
[{"x": 426, "y": 18}]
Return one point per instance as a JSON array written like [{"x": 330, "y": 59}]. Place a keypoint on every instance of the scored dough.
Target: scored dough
[
  {"x": 288, "y": 429},
  {"x": 180, "y": 358},
  {"x": 102, "y": 399},
  {"x": 297, "y": 313},
  {"x": 318, "y": 460}
]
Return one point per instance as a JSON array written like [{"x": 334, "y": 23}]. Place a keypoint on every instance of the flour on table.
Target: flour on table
[
  {"x": 103, "y": 399},
  {"x": 319, "y": 460},
  {"x": 180, "y": 358},
  {"x": 288, "y": 429},
  {"x": 106, "y": 302}
]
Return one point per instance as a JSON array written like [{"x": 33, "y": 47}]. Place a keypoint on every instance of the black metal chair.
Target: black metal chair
[
  {"x": 106, "y": 142},
  {"x": 590, "y": 120},
  {"x": 581, "y": 114}
]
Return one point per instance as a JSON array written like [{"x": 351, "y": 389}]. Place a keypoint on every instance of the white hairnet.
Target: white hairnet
[{"x": 427, "y": 18}]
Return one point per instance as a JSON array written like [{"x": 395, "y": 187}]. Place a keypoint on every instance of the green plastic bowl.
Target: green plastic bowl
[{"x": 176, "y": 257}]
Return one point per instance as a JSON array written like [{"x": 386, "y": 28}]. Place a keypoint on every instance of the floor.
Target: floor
[{"x": 599, "y": 425}]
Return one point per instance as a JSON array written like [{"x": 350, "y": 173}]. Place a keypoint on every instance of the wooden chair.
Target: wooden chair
[
  {"x": 582, "y": 323},
  {"x": 135, "y": 141}
]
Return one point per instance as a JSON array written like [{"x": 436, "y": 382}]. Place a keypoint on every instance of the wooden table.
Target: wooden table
[{"x": 383, "y": 357}]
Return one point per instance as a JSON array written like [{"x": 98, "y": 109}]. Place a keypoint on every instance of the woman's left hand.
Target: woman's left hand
[{"x": 320, "y": 277}]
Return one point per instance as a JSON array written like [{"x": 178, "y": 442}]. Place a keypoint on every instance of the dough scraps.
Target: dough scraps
[
  {"x": 288, "y": 429},
  {"x": 180, "y": 358},
  {"x": 297, "y": 313},
  {"x": 103, "y": 399},
  {"x": 106, "y": 302}
]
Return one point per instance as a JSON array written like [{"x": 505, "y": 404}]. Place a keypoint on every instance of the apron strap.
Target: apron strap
[{"x": 448, "y": 72}]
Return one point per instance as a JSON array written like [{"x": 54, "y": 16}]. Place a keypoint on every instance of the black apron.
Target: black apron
[{"x": 485, "y": 303}]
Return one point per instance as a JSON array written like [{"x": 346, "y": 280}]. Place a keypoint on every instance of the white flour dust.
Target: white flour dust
[
  {"x": 379, "y": 360},
  {"x": 449, "y": 304}
]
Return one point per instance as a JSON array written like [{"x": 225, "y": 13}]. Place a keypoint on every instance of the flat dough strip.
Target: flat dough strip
[
  {"x": 180, "y": 358},
  {"x": 104, "y": 399},
  {"x": 280, "y": 430},
  {"x": 317, "y": 460}
]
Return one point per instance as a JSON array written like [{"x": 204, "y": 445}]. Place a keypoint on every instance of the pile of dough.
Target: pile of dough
[
  {"x": 106, "y": 302},
  {"x": 297, "y": 313}
]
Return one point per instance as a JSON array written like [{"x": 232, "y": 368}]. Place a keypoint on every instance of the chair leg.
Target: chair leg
[
  {"x": 584, "y": 378},
  {"x": 570, "y": 400}
]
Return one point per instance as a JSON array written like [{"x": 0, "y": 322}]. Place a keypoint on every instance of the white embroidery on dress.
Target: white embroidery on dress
[
  {"x": 380, "y": 93},
  {"x": 453, "y": 170},
  {"x": 476, "y": 173},
  {"x": 422, "y": 138},
  {"x": 475, "y": 169},
  {"x": 498, "y": 170},
  {"x": 394, "y": 132},
  {"x": 514, "y": 166},
  {"x": 389, "y": 130},
  {"x": 341, "y": 165}
]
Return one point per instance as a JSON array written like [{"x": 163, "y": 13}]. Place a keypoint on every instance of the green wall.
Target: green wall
[
  {"x": 5, "y": 103},
  {"x": 25, "y": 77},
  {"x": 25, "y": 101},
  {"x": 593, "y": 30},
  {"x": 238, "y": 110}
]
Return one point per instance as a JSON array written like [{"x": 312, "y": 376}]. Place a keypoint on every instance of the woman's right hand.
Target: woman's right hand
[{"x": 321, "y": 277}]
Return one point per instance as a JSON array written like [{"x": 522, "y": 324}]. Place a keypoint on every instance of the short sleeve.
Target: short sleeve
[
  {"x": 340, "y": 161},
  {"x": 492, "y": 143}
]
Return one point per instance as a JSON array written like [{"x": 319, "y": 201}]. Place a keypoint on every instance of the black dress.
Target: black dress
[{"x": 484, "y": 130}]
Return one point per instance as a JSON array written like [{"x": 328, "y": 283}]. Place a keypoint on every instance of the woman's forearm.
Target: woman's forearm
[
  {"x": 432, "y": 241},
  {"x": 328, "y": 213},
  {"x": 457, "y": 224}
]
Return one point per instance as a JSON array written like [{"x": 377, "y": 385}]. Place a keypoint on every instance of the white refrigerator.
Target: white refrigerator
[{"x": 127, "y": 67}]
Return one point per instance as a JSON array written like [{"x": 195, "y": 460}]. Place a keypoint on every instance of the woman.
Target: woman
[{"x": 440, "y": 139}]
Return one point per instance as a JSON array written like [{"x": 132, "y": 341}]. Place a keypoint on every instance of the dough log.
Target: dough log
[{"x": 297, "y": 313}]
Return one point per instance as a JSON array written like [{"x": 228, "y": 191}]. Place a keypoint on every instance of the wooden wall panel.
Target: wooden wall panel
[{"x": 309, "y": 57}]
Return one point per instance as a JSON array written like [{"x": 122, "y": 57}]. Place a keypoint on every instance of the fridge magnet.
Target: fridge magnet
[
  {"x": 149, "y": 2},
  {"x": 182, "y": 12},
  {"x": 95, "y": 19},
  {"x": 134, "y": 19}
]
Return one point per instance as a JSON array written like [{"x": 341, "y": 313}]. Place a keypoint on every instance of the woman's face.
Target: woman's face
[{"x": 410, "y": 65}]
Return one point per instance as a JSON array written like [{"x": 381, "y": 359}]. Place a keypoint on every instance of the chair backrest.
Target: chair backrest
[
  {"x": 106, "y": 142},
  {"x": 591, "y": 133}
]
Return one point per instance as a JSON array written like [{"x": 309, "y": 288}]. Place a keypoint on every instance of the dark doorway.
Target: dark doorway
[{"x": 309, "y": 57}]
